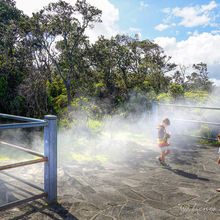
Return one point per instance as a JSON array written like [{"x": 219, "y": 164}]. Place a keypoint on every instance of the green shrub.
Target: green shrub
[{"x": 94, "y": 125}]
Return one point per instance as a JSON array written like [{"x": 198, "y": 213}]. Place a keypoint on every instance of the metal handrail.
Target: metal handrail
[
  {"x": 22, "y": 149},
  {"x": 23, "y": 125},
  {"x": 155, "y": 111},
  {"x": 199, "y": 122},
  {"x": 187, "y": 106},
  {"x": 205, "y": 138},
  {"x": 23, "y": 181},
  {"x": 19, "y": 202},
  {"x": 23, "y": 163},
  {"x": 20, "y": 118},
  {"x": 50, "y": 154}
]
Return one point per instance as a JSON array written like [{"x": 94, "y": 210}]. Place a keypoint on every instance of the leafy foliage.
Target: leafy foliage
[{"x": 48, "y": 66}]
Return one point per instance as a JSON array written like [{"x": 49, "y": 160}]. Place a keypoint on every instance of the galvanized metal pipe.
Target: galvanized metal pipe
[
  {"x": 22, "y": 149},
  {"x": 194, "y": 136},
  {"x": 20, "y": 118},
  {"x": 50, "y": 151},
  {"x": 187, "y": 106},
  {"x": 155, "y": 111},
  {"x": 16, "y": 203},
  {"x": 199, "y": 122},
  {"x": 194, "y": 121},
  {"x": 23, "y": 125},
  {"x": 24, "y": 163},
  {"x": 21, "y": 180}
]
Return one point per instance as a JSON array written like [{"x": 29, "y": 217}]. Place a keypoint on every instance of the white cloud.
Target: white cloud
[
  {"x": 208, "y": 7},
  {"x": 203, "y": 47},
  {"x": 134, "y": 29},
  {"x": 191, "y": 17},
  {"x": 161, "y": 27},
  {"x": 215, "y": 31},
  {"x": 195, "y": 33},
  {"x": 110, "y": 15},
  {"x": 143, "y": 4},
  {"x": 199, "y": 15},
  {"x": 166, "y": 10},
  {"x": 197, "y": 48},
  {"x": 215, "y": 81}
]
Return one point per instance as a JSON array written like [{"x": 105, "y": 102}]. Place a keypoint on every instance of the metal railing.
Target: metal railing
[
  {"x": 156, "y": 111},
  {"x": 49, "y": 158}
]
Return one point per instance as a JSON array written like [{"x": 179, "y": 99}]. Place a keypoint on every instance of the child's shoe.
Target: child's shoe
[
  {"x": 160, "y": 160},
  {"x": 167, "y": 166},
  {"x": 162, "y": 164}
]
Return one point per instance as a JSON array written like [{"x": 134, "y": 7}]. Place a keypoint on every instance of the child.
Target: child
[
  {"x": 162, "y": 140},
  {"x": 218, "y": 190}
]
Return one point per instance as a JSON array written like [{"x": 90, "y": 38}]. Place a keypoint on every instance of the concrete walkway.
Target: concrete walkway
[{"x": 136, "y": 187}]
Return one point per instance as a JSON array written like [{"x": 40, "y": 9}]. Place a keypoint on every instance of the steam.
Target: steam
[
  {"x": 115, "y": 137},
  {"x": 107, "y": 140},
  {"x": 112, "y": 139},
  {"x": 187, "y": 120}
]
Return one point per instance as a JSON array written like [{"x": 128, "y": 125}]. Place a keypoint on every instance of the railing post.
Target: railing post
[
  {"x": 155, "y": 112},
  {"x": 155, "y": 118},
  {"x": 50, "y": 151}
]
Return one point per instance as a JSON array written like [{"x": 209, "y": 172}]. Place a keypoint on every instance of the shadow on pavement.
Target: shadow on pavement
[
  {"x": 49, "y": 211},
  {"x": 188, "y": 175}
]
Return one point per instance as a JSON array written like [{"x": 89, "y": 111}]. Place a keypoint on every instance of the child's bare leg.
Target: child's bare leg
[
  {"x": 162, "y": 157},
  {"x": 167, "y": 152}
]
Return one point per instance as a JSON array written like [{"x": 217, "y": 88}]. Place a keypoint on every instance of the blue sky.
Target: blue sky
[
  {"x": 149, "y": 17},
  {"x": 187, "y": 30}
]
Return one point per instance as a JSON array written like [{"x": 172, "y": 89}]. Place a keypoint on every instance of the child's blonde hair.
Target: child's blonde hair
[{"x": 218, "y": 135}]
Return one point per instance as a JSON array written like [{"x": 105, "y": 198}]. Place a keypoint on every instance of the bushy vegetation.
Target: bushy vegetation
[{"x": 48, "y": 66}]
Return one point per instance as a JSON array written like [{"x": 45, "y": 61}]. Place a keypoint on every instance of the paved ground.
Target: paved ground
[{"x": 133, "y": 188}]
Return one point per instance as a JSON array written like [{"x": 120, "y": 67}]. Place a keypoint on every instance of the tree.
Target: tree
[
  {"x": 13, "y": 57},
  {"x": 123, "y": 57},
  {"x": 103, "y": 62},
  {"x": 155, "y": 65},
  {"x": 179, "y": 76},
  {"x": 59, "y": 32},
  {"x": 176, "y": 91},
  {"x": 126, "y": 67},
  {"x": 198, "y": 80}
]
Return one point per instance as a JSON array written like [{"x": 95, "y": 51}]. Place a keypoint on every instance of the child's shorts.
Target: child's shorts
[{"x": 164, "y": 148}]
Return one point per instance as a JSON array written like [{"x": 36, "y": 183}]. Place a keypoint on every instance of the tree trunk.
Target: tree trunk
[
  {"x": 68, "y": 93},
  {"x": 125, "y": 78}
]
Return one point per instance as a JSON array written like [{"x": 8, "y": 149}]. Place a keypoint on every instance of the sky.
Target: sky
[{"x": 187, "y": 30}]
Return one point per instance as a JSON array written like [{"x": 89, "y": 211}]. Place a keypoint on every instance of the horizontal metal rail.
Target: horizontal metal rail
[
  {"x": 50, "y": 151},
  {"x": 24, "y": 163},
  {"x": 22, "y": 149},
  {"x": 20, "y": 118},
  {"x": 187, "y": 106},
  {"x": 155, "y": 105},
  {"x": 17, "y": 187},
  {"x": 199, "y": 122},
  {"x": 195, "y": 136},
  {"x": 205, "y": 138},
  {"x": 21, "y": 180},
  {"x": 19, "y": 202},
  {"x": 23, "y": 125}
]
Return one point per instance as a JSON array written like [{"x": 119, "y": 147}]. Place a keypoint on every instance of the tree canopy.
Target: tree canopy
[{"x": 48, "y": 64}]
